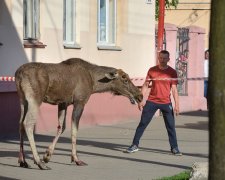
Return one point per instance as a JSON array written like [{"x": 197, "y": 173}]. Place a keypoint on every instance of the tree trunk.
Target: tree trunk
[{"x": 217, "y": 91}]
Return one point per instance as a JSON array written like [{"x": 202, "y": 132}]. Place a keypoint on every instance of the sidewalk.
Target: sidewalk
[{"x": 101, "y": 147}]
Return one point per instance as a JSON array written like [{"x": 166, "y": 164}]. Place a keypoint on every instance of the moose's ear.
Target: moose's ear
[{"x": 111, "y": 75}]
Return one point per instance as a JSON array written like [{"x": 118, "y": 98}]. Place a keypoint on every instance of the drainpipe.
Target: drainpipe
[{"x": 161, "y": 25}]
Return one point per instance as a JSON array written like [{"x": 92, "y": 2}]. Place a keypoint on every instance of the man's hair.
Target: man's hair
[{"x": 165, "y": 52}]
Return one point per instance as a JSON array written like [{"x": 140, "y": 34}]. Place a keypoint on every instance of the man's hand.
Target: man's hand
[
  {"x": 176, "y": 99},
  {"x": 176, "y": 110},
  {"x": 144, "y": 88},
  {"x": 141, "y": 105}
]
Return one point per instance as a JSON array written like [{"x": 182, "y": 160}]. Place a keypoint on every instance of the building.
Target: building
[
  {"x": 191, "y": 13},
  {"x": 116, "y": 33},
  {"x": 188, "y": 25}
]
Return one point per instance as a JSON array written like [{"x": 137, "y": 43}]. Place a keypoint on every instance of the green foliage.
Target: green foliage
[
  {"x": 168, "y": 4},
  {"x": 185, "y": 175}
]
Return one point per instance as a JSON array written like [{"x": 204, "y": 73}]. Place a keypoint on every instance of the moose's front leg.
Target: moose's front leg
[
  {"x": 62, "y": 109},
  {"x": 77, "y": 112}
]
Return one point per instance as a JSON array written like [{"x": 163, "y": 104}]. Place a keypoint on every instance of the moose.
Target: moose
[{"x": 70, "y": 82}]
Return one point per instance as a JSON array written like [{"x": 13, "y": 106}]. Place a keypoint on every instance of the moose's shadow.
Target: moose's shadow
[{"x": 104, "y": 144}]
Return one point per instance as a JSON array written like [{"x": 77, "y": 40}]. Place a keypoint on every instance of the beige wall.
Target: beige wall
[
  {"x": 12, "y": 53},
  {"x": 135, "y": 35},
  {"x": 191, "y": 13}
]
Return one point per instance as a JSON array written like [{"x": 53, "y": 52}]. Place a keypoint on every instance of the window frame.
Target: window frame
[
  {"x": 31, "y": 30},
  {"x": 70, "y": 41},
  {"x": 107, "y": 42},
  {"x": 31, "y": 24}
]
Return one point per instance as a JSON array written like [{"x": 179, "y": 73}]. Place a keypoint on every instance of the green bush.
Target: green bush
[{"x": 181, "y": 176}]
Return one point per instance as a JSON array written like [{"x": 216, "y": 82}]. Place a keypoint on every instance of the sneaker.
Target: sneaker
[
  {"x": 176, "y": 152},
  {"x": 132, "y": 148}
]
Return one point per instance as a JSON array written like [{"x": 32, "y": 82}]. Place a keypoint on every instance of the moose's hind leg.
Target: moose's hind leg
[
  {"x": 29, "y": 123},
  {"x": 22, "y": 162}
]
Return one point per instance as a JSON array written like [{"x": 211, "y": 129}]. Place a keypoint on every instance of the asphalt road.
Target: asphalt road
[{"x": 101, "y": 147}]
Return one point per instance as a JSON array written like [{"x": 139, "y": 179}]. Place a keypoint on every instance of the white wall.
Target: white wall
[{"x": 135, "y": 35}]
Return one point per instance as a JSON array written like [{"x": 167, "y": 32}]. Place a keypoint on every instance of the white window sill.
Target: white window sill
[
  {"x": 72, "y": 46},
  {"x": 33, "y": 43},
  {"x": 109, "y": 48}
]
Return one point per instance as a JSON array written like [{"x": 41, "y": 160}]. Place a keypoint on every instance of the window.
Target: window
[
  {"x": 148, "y": 1},
  {"x": 69, "y": 24},
  {"x": 31, "y": 19},
  {"x": 31, "y": 24},
  {"x": 106, "y": 22}
]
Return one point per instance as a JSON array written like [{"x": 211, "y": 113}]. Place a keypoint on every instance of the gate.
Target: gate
[{"x": 181, "y": 63}]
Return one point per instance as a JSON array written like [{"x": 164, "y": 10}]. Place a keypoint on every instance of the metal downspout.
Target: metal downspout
[{"x": 161, "y": 25}]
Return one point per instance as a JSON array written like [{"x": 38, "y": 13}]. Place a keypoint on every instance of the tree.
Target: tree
[
  {"x": 217, "y": 91},
  {"x": 169, "y": 4}
]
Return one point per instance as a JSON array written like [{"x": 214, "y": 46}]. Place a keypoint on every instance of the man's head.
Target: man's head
[
  {"x": 207, "y": 54},
  {"x": 163, "y": 58}
]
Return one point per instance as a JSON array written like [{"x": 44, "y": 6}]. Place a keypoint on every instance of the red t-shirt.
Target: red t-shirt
[{"x": 160, "y": 90}]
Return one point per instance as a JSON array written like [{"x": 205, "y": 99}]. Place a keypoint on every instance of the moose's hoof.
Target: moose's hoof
[
  {"x": 80, "y": 163},
  {"x": 24, "y": 164},
  {"x": 42, "y": 166},
  {"x": 47, "y": 157}
]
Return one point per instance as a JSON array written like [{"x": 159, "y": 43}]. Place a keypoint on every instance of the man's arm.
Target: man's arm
[
  {"x": 176, "y": 98},
  {"x": 144, "y": 89}
]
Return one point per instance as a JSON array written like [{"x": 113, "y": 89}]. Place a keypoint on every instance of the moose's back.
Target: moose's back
[{"x": 54, "y": 83}]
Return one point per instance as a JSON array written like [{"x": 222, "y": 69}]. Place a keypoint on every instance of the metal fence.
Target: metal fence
[{"x": 182, "y": 51}]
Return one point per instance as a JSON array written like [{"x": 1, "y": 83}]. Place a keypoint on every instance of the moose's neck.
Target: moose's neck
[{"x": 100, "y": 82}]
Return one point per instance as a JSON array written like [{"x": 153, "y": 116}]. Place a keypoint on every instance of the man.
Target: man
[
  {"x": 206, "y": 75},
  {"x": 159, "y": 98}
]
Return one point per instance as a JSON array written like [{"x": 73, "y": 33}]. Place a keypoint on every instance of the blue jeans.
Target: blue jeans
[
  {"x": 148, "y": 112},
  {"x": 206, "y": 89}
]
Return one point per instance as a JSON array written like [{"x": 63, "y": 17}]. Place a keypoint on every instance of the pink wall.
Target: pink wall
[
  {"x": 195, "y": 99},
  {"x": 101, "y": 109},
  {"x": 196, "y": 68},
  {"x": 9, "y": 114},
  {"x": 171, "y": 40}
]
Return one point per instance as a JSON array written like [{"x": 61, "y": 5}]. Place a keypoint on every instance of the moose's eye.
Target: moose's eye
[
  {"x": 124, "y": 76},
  {"x": 125, "y": 80}
]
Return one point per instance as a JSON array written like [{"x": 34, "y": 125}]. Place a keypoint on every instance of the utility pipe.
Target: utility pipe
[{"x": 161, "y": 25}]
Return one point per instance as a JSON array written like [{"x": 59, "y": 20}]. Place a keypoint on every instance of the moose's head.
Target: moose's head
[{"x": 122, "y": 85}]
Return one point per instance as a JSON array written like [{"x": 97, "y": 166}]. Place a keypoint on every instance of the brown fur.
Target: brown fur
[{"x": 69, "y": 82}]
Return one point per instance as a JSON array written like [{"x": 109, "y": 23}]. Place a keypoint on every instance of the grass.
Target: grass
[{"x": 185, "y": 175}]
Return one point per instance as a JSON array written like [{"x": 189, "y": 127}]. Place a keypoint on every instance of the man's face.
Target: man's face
[
  {"x": 163, "y": 59},
  {"x": 207, "y": 55}
]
